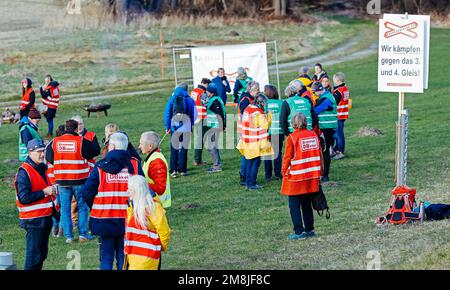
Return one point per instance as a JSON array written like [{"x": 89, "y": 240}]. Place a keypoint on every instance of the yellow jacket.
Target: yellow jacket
[
  {"x": 261, "y": 147},
  {"x": 157, "y": 223}
]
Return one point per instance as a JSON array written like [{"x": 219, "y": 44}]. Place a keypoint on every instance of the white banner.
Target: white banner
[
  {"x": 253, "y": 57},
  {"x": 401, "y": 55}
]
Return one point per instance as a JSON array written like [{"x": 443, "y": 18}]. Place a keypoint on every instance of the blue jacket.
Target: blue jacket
[
  {"x": 25, "y": 196},
  {"x": 189, "y": 109},
  {"x": 25, "y": 135},
  {"x": 323, "y": 105},
  {"x": 221, "y": 89},
  {"x": 113, "y": 163}
]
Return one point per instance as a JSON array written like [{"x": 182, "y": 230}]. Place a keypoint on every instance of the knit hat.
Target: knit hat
[
  {"x": 211, "y": 88},
  {"x": 34, "y": 114}
]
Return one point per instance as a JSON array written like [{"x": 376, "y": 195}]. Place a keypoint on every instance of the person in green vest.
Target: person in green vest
[
  {"x": 326, "y": 110},
  {"x": 28, "y": 130},
  {"x": 155, "y": 167},
  {"x": 272, "y": 164},
  {"x": 295, "y": 104},
  {"x": 241, "y": 83},
  {"x": 216, "y": 123}
]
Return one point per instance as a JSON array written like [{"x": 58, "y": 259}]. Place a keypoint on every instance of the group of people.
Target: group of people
[
  {"x": 120, "y": 198},
  {"x": 310, "y": 121}
]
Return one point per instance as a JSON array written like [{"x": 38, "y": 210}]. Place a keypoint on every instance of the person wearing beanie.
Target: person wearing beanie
[
  {"x": 215, "y": 123},
  {"x": 28, "y": 98},
  {"x": 28, "y": 130},
  {"x": 50, "y": 98},
  {"x": 241, "y": 83}
]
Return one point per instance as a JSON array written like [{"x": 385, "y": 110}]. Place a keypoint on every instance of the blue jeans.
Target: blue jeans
[
  {"x": 56, "y": 221},
  {"x": 111, "y": 247},
  {"x": 66, "y": 193},
  {"x": 179, "y": 143},
  {"x": 243, "y": 171},
  {"x": 339, "y": 137},
  {"x": 252, "y": 166},
  {"x": 299, "y": 204},
  {"x": 277, "y": 158},
  {"x": 37, "y": 246}
]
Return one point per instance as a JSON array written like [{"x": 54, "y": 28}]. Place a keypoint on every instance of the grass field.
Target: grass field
[{"x": 232, "y": 228}]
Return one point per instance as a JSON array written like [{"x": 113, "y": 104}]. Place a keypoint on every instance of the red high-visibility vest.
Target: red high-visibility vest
[
  {"x": 343, "y": 106},
  {"x": 68, "y": 162},
  {"x": 50, "y": 173},
  {"x": 52, "y": 102},
  {"x": 37, "y": 209},
  {"x": 239, "y": 120},
  {"x": 141, "y": 241},
  {"x": 250, "y": 132},
  {"x": 111, "y": 200},
  {"x": 26, "y": 99},
  {"x": 196, "y": 95},
  {"x": 306, "y": 163},
  {"x": 90, "y": 137}
]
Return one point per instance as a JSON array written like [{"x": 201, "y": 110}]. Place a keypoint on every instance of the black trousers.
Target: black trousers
[
  {"x": 326, "y": 144},
  {"x": 37, "y": 245}
]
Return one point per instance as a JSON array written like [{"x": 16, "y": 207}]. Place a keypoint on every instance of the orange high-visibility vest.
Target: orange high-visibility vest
[
  {"x": 90, "y": 137},
  {"x": 68, "y": 162},
  {"x": 26, "y": 99},
  {"x": 37, "y": 209},
  {"x": 306, "y": 163},
  {"x": 196, "y": 94},
  {"x": 343, "y": 106},
  {"x": 52, "y": 102},
  {"x": 250, "y": 132},
  {"x": 141, "y": 241},
  {"x": 111, "y": 200}
]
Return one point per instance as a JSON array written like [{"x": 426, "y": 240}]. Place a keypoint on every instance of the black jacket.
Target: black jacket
[
  {"x": 216, "y": 108},
  {"x": 25, "y": 196},
  {"x": 284, "y": 116},
  {"x": 88, "y": 151},
  {"x": 337, "y": 95},
  {"x": 113, "y": 163},
  {"x": 25, "y": 135}
]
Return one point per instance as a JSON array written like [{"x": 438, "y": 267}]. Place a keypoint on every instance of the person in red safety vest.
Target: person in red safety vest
[
  {"x": 342, "y": 97},
  {"x": 200, "y": 98},
  {"x": 69, "y": 154},
  {"x": 36, "y": 202},
  {"x": 28, "y": 98}
]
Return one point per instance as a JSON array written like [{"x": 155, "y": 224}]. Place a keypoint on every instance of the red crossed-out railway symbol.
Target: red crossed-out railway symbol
[{"x": 406, "y": 30}]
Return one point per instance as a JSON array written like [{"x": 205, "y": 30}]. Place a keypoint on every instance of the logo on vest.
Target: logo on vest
[
  {"x": 55, "y": 92},
  {"x": 121, "y": 177},
  {"x": 309, "y": 144},
  {"x": 299, "y": 101},
  {"x": 66, "y": 146}
]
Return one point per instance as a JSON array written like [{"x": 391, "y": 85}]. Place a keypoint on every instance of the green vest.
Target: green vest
[
  {"x": 211, "y": 118},
  {"x": 328, "y": 119},
  {"x": 23, "y": 152},
  {"x": 274, "y": 106},
  {"x": 166, "y": 197},
  {"x": 299, "y": 105},
  {"x": 244, "y": 84}
]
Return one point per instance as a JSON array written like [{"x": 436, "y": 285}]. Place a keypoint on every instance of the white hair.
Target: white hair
[
  {"x": 340, "y": 77},
  {"x": 252, "y": 86},
  {"x": 151, "y": 138},
  {"x": 142, "y": 200},
  {"x": 119, "y": 140},
  {"x": 297, "y": 84},
  {"x": 298, "y": 121},
  {"x": 78, "y": 119}
]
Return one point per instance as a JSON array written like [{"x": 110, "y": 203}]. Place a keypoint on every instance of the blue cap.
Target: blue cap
[
  {"x": 212, "y": 88},
  {"x": 35, "y": 144},
  {"x": 317, "y": 86}
]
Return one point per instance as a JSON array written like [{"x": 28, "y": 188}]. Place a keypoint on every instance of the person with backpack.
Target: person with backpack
[
  {"x": 273, "y": 163},
  {"x": 216, "y": 123},
  {"x": 241, "y": 83},
  {"x": 302, "y": 164},
  {"x": 179, "y": 117}
]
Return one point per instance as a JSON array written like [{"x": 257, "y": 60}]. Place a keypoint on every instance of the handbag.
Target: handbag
[{"x": 319, "y": 203}]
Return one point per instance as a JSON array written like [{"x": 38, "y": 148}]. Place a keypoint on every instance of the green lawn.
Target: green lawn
[{"x": 232, "y": 228}]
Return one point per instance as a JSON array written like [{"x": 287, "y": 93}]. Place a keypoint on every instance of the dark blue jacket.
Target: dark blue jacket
[
  {"x": 221, "y": 89},
  {"x": 113, "y": 163},
  {"x": 25, "y": 196},
  {"x": 189, "y": 109}
]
